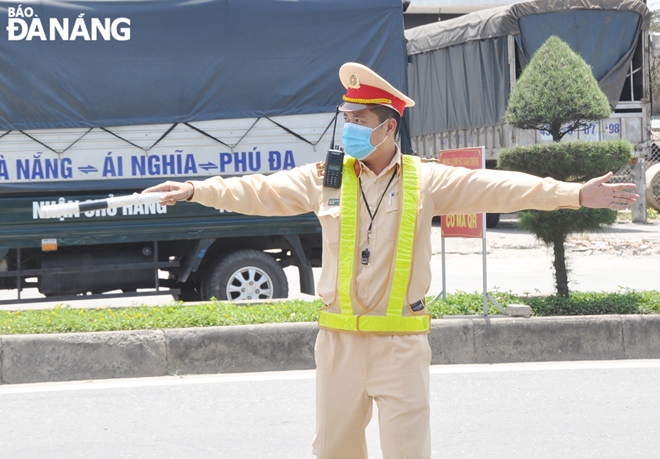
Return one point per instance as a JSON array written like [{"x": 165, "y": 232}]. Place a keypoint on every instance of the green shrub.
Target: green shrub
[
  {"x": 549, "y": 226},
  {"x": 576, "y": 161},
  {"x": 589, "y": 303},
  {"x": 578, "y": 304}
]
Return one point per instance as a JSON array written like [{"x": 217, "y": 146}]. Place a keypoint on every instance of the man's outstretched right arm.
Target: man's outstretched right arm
[{"x": 284, "y": 193}]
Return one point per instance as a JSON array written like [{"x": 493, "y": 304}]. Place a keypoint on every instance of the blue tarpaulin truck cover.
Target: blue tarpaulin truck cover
[{"x": 107, "y": 63}]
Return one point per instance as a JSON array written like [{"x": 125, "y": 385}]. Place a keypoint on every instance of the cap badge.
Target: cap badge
[{"x": 353, "y": 81}]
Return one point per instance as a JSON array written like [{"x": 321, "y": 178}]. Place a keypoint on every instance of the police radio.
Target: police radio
[
  {"x": 334, "y": 165},
  {"x": 334, "y": 161}
]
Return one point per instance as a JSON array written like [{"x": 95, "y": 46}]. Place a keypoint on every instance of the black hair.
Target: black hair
[{"x": 384, "y": 113}]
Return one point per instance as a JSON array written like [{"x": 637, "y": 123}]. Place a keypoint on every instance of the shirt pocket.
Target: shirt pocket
[
  {"x": 393, "y": 215},
  {"x": 391, "y": 224}
]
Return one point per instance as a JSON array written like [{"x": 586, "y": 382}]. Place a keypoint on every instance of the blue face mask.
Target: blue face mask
[{"x": 357, "y": 140}]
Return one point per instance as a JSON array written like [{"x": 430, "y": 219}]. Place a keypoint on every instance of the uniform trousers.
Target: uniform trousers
[{"x": 353, "y": 370}]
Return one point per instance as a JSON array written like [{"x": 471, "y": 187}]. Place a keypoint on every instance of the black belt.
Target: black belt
[{"x": 417, "y": 306}]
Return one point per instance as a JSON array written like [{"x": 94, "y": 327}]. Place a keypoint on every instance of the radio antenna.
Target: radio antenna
[{"x": 334, "y": 129}]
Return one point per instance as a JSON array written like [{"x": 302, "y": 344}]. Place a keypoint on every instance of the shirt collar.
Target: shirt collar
[{"x": 397, "y": 161}]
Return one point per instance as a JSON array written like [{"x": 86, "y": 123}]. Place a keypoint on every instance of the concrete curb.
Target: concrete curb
[{"x": 131, "y": 354}]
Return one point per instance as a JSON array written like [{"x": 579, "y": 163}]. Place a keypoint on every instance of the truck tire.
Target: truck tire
[
  {"x": 492, "y": 220},
  {"x": 245, "y": 275}
]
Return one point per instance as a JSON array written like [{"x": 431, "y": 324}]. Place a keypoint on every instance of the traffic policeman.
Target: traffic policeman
[{"x": 372, "y": 344}]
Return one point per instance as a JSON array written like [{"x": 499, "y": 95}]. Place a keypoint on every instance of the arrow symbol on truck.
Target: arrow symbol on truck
[
  {"x": 208, "y": 166},
  {"x": 87, "y": 169}
]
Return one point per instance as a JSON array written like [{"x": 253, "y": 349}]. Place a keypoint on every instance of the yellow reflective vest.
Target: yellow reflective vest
[{"x": 393, "y": 321}]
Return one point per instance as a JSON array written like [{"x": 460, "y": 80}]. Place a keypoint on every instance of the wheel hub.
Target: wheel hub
[{"x": 249, "y": 283}]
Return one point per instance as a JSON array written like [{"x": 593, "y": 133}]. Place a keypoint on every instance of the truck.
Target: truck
[
  {"x": 102, "y": 98},
  {"x": 462, "y": 70}
]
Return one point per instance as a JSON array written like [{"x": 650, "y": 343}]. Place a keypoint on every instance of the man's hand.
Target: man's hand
[
  {"x": 598, "y": 194},
  {"x": 174, "y": 191}
]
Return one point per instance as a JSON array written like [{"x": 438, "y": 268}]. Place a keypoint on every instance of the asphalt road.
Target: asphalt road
[
  {"x": 515, "y": 262},
  {"x": 604, "y": 261},
  {"x": 551, "y": 410}
]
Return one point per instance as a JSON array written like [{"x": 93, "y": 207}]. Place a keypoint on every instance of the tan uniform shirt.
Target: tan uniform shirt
[{"x": 444, "y": 190}]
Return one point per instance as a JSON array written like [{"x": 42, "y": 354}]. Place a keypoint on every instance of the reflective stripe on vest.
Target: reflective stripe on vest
[{"x": 393, "y": 321}]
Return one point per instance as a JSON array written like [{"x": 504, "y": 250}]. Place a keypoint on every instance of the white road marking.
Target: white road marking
[{"x": 9, "y": 389}]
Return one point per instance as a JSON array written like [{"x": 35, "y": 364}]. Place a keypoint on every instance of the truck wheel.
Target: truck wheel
[
  {"x": 245, "y": 275},
  {"x": 492, "y": 220}
]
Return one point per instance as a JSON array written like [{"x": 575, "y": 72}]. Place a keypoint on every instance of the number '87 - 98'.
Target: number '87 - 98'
[{"x": 612, "y": 128}]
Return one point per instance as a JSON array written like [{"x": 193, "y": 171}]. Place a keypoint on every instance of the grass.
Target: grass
[{"x": 64, "y": 319}]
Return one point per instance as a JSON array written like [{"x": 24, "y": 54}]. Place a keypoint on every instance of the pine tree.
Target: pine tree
[{"x": 557, "y": 93}]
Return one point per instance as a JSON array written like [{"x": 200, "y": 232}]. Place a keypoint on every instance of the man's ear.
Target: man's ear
[{"x": 391, "y": 125}]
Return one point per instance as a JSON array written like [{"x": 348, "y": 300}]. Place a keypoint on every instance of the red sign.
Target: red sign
[{"x": 470, "y": 225}]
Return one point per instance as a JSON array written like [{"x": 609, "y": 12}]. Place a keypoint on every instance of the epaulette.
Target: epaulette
[
  {"x": 430, "y": 160},
  {"x": 320, "y": 168}
]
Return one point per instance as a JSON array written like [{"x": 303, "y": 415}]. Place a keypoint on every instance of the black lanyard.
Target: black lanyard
[{"x": 365, "y": 252}]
